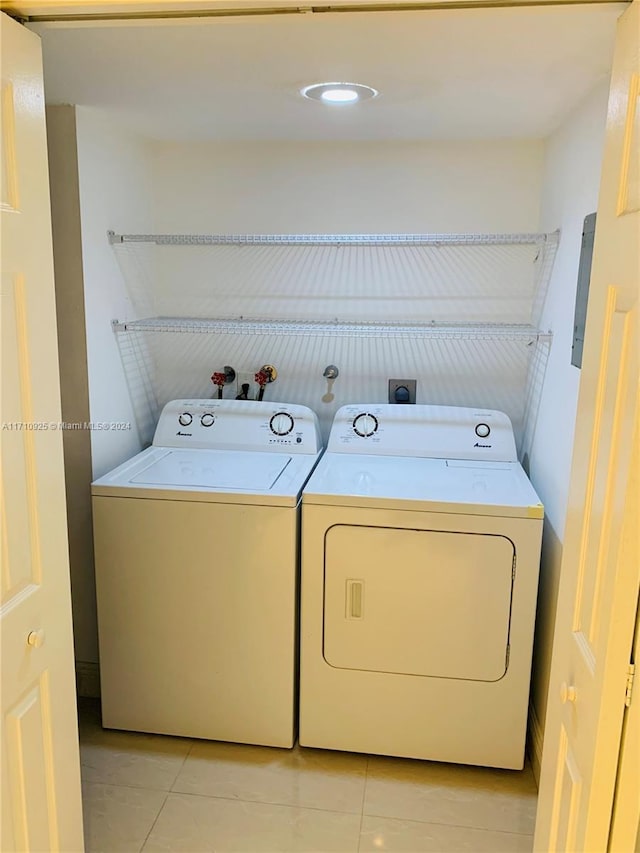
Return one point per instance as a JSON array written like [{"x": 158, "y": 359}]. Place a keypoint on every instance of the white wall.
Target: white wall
[
  {"x": 570, "y": 192},
  {"x": 336, "y": 188},
  {"x": 115, "y": 193},
  {"x": 72, "y": 349},
  {"x": 347, "y": 187}
]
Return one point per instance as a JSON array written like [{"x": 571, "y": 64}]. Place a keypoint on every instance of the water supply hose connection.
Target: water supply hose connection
[
  {"x": 219, "y": 381},
  {"x": 264, "y": 377},
  {"x": 222, "y": 379},
  {"x": 261, "y": 380}
]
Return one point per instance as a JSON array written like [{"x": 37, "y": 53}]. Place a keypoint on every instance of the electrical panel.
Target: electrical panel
[{"x": 582, "y": 292}]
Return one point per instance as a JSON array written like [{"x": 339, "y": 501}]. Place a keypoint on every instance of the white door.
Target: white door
[
  {"x": 41, "y": 804},
  {"x": 601, "y": 567}
]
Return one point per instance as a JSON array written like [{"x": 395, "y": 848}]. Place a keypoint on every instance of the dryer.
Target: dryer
[
  {"x": 196, "y": 550},
  {"x": 421, "y": 538}
]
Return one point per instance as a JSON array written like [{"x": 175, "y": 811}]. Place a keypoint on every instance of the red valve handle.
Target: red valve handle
[
  {"x": 219, "y": 379},
  {"x": 261, "y": 378}
]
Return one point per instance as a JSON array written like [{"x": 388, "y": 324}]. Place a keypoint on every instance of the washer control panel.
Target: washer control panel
[
  {"x": 441, "y": 432},
  {"x": 238, "y": 425}
]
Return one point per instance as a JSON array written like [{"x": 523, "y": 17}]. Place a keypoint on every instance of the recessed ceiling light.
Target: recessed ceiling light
[
  {"x": 339, "y": 96},
  {"x": 338, "y": 93}
]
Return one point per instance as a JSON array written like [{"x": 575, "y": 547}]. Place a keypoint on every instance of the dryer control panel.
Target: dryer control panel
[
  {"x": 441, "y": 432},
  {"x": 238, "y": 425}
]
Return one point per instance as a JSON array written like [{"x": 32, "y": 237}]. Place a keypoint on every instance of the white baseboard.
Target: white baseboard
[
  {"x": 535, "y": 743},
  {"x": 88, "y": 679}
]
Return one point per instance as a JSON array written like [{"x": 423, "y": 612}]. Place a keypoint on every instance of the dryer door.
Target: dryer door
[{"x": 417, "y": 602}]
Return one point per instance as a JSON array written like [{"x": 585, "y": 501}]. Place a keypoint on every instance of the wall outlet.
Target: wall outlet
[
  {"x": 402, "y": 390},
  {"x": 249, "y": 380}
]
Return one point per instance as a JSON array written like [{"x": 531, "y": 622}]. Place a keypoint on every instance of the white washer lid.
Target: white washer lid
[
  {"x": 214, "y": 469},
  {"x": 429, "y": 485},
  {"x": 216, "y": 476}
]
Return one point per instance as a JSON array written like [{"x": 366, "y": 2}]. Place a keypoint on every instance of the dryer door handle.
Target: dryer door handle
[{"x": 354, "y": 604}]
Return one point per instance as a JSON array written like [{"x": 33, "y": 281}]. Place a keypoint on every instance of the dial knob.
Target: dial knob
[
  {"x": 281, "y": 423},
  {"x": 207, "y": 419},
  {"x": 185, "y": 419},
  {"x": 365, "y": 425},
  {"x": 483, "y": 430}
]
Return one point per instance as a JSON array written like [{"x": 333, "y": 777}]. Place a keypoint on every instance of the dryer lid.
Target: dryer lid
[{"x": 432, "y": 485}]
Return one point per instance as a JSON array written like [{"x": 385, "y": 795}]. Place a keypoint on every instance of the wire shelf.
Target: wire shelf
[
  {"x": 335, "y": 239},
  {"x": 335, "y": 328},
  {"x": 461, "y": 312}
]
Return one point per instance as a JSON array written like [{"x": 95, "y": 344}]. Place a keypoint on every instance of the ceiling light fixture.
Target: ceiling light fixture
[{"x": 338, "y": 93}]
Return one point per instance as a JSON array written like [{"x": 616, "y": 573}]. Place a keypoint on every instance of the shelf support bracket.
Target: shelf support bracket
[{"x": 545, "y": 337}]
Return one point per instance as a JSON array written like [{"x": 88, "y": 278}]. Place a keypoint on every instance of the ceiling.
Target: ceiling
[{"x": 442, "y": 74}]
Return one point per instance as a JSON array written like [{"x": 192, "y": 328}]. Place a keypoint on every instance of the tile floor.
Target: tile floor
[{"x": 147, "y": 792}]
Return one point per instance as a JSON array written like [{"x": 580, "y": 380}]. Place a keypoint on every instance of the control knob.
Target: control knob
[
  {"x": 207, "y": 419},
  {"x": 365, "y": 425},
  {"x": 483, "y": 430},
  {"x": 281, "y": 423},
  {"x": 185, "y": 419}
]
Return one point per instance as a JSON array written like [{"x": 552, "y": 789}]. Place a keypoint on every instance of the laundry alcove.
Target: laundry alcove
[{"x": 194, "y": 131}]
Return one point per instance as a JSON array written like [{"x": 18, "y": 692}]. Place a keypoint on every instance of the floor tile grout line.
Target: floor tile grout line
[
  {"x": 262, "y": 803},
  {"x": 130, "y": 787},
  {"x": 184, "y": 761},
  {"x": 366, "y": 779},
  {"x": 455, "y": 825},
  {"x": 146, "y": 838},
  {"x": 364, "y": 796}
]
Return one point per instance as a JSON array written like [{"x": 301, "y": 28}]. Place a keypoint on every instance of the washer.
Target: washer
[
  {"x": 420, "y": 559},
  {"x": 196, "y": 547}
]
